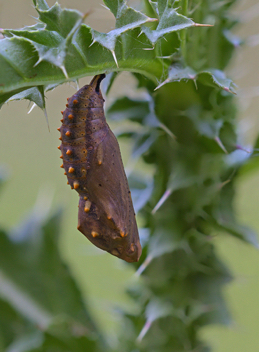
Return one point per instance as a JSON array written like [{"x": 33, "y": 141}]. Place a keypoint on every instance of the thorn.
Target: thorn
[
  {"x": 58, "y": 129},
  {"x": 58, "y": 147},
  {"x": 68, "y": 133},
  {"x": 46, "y": 116},
  {"x": 71, "y": 170},
  {"x": 149, "y": 19},
  {"x": 32, "y": 107},
  {"x": 144, "y": 330},
  {"x": 61, "y": 157},
  {"x": 144, "y": 265},
  {"x": 60, "y": 138},
  {"x": 63, "y": 69},
  {"x": 161, "y": 201},
  {"x": 114, "y": 57},
  {"x": 92, "y": 43},
  {"x": 217, "y": 139},
  {"x": 202, "y": 25},
  {"x": 70, "y": 116},
  {"x": 62, "y": 112},
  {"x": 161, "y": 84},
  {"x": 241, "y": 148},
  {"x": 69, "y": 152},
  {"x": 223, "y": 184},
  {"x": 62, "y": 120},
  {"x": 62, "y": 166}
]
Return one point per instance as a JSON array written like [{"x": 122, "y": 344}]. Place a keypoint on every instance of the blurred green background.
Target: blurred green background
[{"x": 30, "y": 155}]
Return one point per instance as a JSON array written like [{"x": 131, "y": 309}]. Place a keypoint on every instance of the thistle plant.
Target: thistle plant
[{"x": 183, "y": 124}]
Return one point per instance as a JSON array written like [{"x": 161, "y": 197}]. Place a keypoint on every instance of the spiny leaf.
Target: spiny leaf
[
  {"x": 212, "y": 78},
  {"x": 126, "y": 19},
  {"x": 35, "y": 94}
]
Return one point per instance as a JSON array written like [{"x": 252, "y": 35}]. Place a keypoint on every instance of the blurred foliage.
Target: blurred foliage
[
  {"x": 41, "y": 304},
  {"x": 186, "y": 129}
]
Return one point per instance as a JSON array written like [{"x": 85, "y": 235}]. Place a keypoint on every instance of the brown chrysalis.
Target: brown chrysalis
[{"x": 93, "y": 166}]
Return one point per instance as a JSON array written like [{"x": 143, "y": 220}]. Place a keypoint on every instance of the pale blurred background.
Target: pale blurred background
[{"x": 29, "y": 152}]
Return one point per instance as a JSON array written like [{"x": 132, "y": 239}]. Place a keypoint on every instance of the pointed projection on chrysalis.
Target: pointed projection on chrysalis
[{"x": 93, "y": 166}]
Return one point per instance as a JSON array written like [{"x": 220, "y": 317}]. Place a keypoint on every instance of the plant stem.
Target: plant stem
[{"x": 183, "y": 32}]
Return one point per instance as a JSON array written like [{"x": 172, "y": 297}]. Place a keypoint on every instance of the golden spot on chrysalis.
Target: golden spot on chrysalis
[
  {"x": 70, "y": 116},
  {"x": 123, "y": 234},
  {"x": 61, "y": 157},
  {"x": 87, "y": 206},
  {"x": 65, "y": 173},
  {"x": 67, "y": 99},
  {"x": 67, "y": 183},
  {"x": 62, "y": 120},
  {"x": 58, "y": 129},
  {"x": 94, "y": 234},
  {"x": 71, "y": 170},
  {"x": 60, "y": 138},
  {"x": 100, "y": 154},
  {"x": 62, "y": 166},
  {"x": 75, "y": 101},
  {"x": 69, "y": 152},
  {"x": 85, "y": 198},
  {"x": 115, "y": 252},
  {"x": 71, "y": 187},
  {"x": 76, "y": 185},
  {"x": 109, "y": 217},
  {"x": 132, "y": 247},
  {"x": 62, "y": 112},
  {"x": 58, "y": 147},
  {"x": 68, "y": 133},
  {"x": 67, "y": 105}
]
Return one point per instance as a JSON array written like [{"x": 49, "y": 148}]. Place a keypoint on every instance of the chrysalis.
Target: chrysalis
[{"x": 93, "y": 165}]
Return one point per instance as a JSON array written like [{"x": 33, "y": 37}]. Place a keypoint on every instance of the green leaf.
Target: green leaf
[
  {"x": 155, "y": 309},
  {"x": 12, "y": 326},
  {"x": 169, "y": 21},
  {"x": 242, "y": 232},
  {"x": 61, "y": 48},
  {"x": 30, "y": 264},
  {"x": 35, "y": 94},
  {"x": 41, "y": 4},
  {"x": 211, "y": 78},
  {"x": 65, "y": 335},
  {"x": 126, "y": 19}
]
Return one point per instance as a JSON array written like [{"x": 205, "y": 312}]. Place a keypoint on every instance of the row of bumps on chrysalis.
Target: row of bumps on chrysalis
[{"x": 94, "y": 168}]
